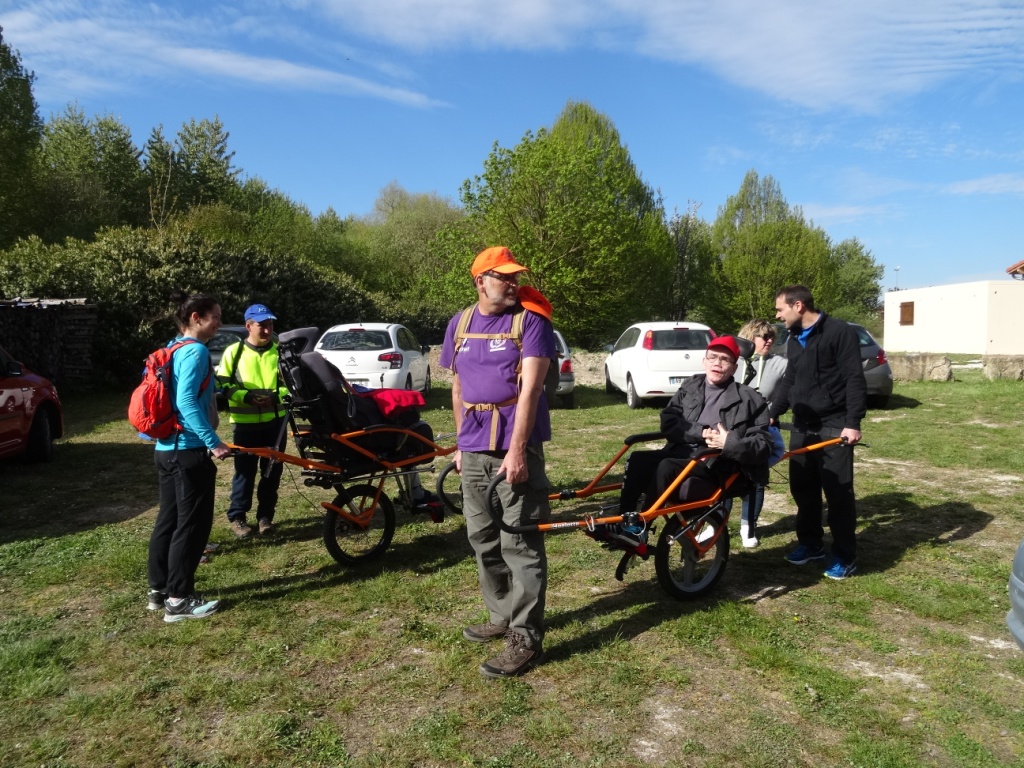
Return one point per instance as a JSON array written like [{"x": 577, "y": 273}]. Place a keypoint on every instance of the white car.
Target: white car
[
  {"x": 377, "y": 355},
  {"x": 651, "y": 360}
]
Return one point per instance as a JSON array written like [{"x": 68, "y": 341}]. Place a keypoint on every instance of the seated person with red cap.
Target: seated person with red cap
[{"x": 712, "y": 410}]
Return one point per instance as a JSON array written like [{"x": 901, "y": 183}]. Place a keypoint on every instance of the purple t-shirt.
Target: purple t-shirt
[{"x": 487, "y": 373}]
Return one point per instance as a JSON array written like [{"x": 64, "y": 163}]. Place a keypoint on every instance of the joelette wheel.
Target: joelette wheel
[
  {"x": 348, "y": 541},
  {"x": 682, "y": 570},
  {"x": 449, "y": 489}
]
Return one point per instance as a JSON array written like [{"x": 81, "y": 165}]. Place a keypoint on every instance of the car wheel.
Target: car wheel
[
  {"x": 879, "y": 402},
  {"x": 569, "y": 401},
  {"x": 426, "y": 383},
  {"x": 40, "y": 438},
  {"x": 609, "y": 388},
  {"x": 632, "y": 398},
  {"x": 408, "y": 381}
]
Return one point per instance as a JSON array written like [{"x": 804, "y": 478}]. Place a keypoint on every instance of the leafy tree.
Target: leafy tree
[
  {"x": 20, "y": 133},
  {"x": 762, "y": 245},
  {"x": 855, "y": 287},
  {"x": 392, "y": 251},
  {"x": 571, "y": 205},
  {"x": 204, "y": 161},
  {"x": 694, "y": 265},
  {"x": 90, "y": 175},
  {"x": 130, "y": 273},
  {"x": 161, "y": 178}
]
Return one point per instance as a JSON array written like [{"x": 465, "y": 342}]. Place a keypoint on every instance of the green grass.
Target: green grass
[{"x": 312, "y": 664}]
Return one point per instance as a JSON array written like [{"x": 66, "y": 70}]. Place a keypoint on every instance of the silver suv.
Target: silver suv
[{"x": 565, "y": 393}]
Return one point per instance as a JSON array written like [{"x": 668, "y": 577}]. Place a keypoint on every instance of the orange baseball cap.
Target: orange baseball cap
[
  {"x": 497, "y": 259},
  {"x": 535, "y": 301}
]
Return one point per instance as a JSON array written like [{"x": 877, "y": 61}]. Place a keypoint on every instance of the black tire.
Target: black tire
[
  {"x": 408, "y": 381},
  {"x": 632, "y": 398},
  {"x": 349, "y": 544},
  {"x": 569, "y": 401},
  {"x": 878, "y": 402},
  {"x": 449, "y": 489},
  {"x": 682, "y": 572},
  {"x": 609, "y": 388},
  {"x": 426, "y": 383},
  {"x": 40, "y": 438}
]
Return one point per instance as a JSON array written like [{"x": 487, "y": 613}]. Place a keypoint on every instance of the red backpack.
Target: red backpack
[{"x": 151, "y": 408}]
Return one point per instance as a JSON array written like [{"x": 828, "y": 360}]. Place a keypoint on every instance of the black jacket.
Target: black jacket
[
  {"x": 744, "y": 416},
  {"x": 824, "y": 384}
]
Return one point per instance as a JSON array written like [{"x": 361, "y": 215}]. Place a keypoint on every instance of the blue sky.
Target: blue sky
[{"x": 903, "y": 127}]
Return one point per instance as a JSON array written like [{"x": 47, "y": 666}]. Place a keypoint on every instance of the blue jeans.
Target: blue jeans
[
  {"x": 269, "y": 434},
  {"x": 752, "y": 504}
]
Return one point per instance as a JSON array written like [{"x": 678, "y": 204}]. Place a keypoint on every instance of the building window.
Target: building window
[{"x": 907, "y": 313}]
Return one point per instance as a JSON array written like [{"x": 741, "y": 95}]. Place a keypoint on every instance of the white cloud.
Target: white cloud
[
  {"x": 830, "y": 215},
  {"x": 848, "y": 53},
  {"x": 79, "y": 50},
  {"x": 857, "y": 54},
  {"x": 997, "y": 184}
]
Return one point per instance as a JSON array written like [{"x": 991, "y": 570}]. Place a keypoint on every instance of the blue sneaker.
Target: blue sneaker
[
  {"x": 839, "y": 571},
  {"x": 804, "y": 554}
]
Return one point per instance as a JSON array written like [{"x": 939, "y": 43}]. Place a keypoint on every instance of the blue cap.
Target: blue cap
[{"x": 259, "y": 313}]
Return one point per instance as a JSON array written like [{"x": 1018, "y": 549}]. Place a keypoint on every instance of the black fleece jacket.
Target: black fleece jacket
[{"x": 824, "y": 384}]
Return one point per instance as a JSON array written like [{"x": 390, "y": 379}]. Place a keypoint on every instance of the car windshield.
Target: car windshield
[
  {"x": 356, "y": 340},
  {"x": 681, "y": 338},
  {"x": 222, "y": 340}
]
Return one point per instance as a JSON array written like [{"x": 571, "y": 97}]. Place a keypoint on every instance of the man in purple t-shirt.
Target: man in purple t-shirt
[{"x": 502, "y": 421}]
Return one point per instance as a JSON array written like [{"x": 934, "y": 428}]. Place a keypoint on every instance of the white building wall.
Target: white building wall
[
  {"x": 1005, "y": 330},
  {"x": 966, "y": 318}
]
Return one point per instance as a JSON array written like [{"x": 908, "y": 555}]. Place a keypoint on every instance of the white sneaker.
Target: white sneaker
[
  {"x": 705, "y": 534},
  {"x": 748, "y": 541}
]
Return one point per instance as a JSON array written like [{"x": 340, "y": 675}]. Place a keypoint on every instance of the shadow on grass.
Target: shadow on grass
[
  {"x": 896, "y": 402},
  {"x": 888, "y": 526},
  {"x": 85, "y": 486},
  {"x": 436, "y": 550},
  {"x": 655, "y": 607}
]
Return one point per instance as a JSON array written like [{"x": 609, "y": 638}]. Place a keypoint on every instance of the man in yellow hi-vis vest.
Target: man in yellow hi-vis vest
[{"x": 247, "y": 375}]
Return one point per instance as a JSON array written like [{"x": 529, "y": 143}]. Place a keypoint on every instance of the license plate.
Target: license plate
[{"x": 677, "y": 380}]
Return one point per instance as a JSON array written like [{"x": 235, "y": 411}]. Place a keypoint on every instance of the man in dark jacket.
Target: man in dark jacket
[
  {"x": 709, "y": 411},
  {"x": 825, "y": 389}
]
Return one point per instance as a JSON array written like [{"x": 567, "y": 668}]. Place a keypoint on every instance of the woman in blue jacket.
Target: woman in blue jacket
[{"x": 186, "y": 474}]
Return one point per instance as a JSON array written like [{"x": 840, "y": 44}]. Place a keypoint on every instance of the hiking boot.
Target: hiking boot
[
  {"x": 481, "y": 633},
  {"x": 517, "y": 658},
  {"x": 191, "y": 607},
  {"x": 804, "y": 554},
  {"x": 156, "y": 600},
  {"x": 839, "y": 571},
  {"x": 241, "y": 529},
  {"x": 266, "y": 527}
]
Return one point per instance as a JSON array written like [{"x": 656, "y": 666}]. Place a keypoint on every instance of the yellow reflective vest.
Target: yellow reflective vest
[{"x": 254, "y": 371}]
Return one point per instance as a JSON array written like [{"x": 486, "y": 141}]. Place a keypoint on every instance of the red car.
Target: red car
[{"x": 31, "y": 416}]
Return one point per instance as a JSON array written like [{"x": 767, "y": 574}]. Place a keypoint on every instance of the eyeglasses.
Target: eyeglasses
[
  {"x": 723, "y": 359},
  {"x": 512, "y": 279}
]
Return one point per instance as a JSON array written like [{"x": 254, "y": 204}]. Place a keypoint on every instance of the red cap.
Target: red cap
[
  {"x": 497, "y": 259},
  {"x": 728, "y": 343}
]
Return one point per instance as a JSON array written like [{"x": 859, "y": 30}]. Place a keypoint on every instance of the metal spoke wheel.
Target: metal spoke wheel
[
  {"x": 682, "y": 570},
  {"x": 350, "y": 543}
]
